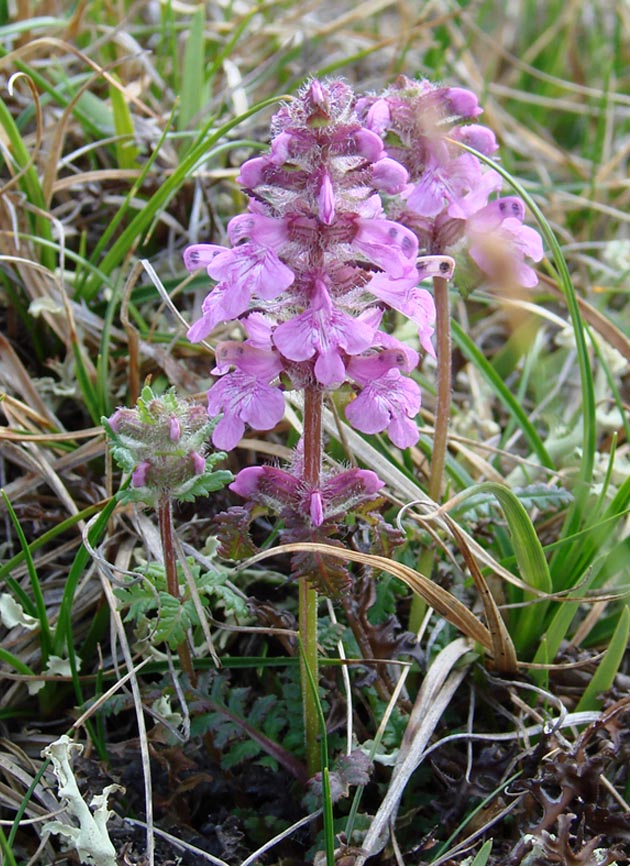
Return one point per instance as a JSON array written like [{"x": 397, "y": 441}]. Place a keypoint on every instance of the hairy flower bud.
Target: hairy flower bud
[{"x": 162, "y": 442}]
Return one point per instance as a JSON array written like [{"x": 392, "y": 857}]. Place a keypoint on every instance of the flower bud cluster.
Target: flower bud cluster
[
  {"x": 162, "y": 441},
  {"x": 447, "y": 200}
]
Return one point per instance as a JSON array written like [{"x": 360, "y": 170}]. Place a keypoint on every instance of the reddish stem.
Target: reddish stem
[{"x": 165, "y": 520}]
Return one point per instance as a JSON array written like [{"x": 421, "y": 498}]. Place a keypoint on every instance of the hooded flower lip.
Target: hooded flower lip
[
  {"x": 262, "y": 363},
  {"x": 200, "y": 255},
  {"x": 388, "y": 244},
  {"x": 500, "y": 242}
]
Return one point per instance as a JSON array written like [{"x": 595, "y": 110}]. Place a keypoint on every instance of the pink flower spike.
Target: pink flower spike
[{"x": 174, "y": 429}]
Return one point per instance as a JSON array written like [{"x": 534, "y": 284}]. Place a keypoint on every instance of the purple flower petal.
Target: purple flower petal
[
  {"x": 266, "y": 231},
  {"x": 388, "y": 244},
  {"x": 243, "y": 399},
  {"x": 387, "y": 403},
  {"x": 389, "y": 176},
  {"x": 201, "y": 255},
  {"x": 326, "y": 200}
]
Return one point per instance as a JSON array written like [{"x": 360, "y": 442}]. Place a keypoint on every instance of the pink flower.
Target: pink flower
[
  {"x": 323, "y": 331},
  {"x": 405, "y": 296},
  {"x": 443, "y": 183},
  {"x": 224, "y": 303},
  {"x": 387, "y": 403},
  {"x": 243, "y": 399},
  {"x": 256, "y": 268},
  {"x": 500, "y": 242}
]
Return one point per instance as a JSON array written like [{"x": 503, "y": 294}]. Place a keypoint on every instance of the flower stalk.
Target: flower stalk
[
  {"x": 165, "y": 523},
  {"x": 307, "y": 599}
]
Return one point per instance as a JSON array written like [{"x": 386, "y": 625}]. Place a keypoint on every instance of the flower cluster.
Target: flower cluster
[
  {"x": 351, "y": 192},
  {"x": 447, "y": 200},
  {"x": 162, "y": 442},
  {"x": 356, "y": 203},
  {"x": 313, "y": 266}
]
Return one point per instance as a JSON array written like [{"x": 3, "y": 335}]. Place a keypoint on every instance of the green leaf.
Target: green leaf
[
  {"x": 476, "y": 356},
  {"x": 175, "y": 618},
  {"x": 525, "y": 622},
  {"x": 204, "y": 484},
  {"x": 607, "y": 669},
  {"x": 194, "y": 92},
  {"x": 483, "y": 854},
  {"x": 126, "y": 151}
]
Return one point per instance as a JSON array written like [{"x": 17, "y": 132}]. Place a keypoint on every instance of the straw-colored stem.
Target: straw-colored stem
[{"x": 440, "y": 435}]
